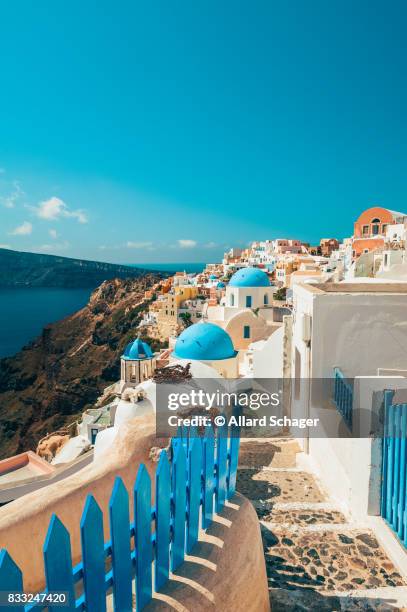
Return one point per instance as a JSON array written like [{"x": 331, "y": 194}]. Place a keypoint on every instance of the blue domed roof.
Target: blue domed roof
[
  {"x": 137, "y": 350},
  {"x": 220, "y": 285},
  {"x": 204, "y": 342},
  {"x": 249, "y": 277},
  {"x": 213, "y": 277}
]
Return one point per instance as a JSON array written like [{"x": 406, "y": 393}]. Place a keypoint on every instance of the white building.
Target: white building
[{"x": 361, "y": 329}]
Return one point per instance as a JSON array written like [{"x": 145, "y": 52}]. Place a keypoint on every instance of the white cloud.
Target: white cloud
[
  {"x": 53, "y": 234},
  {"x": 210, "y": 245},
  {"x": 187, "y": 244},
  {"x": 10, "y": 200},
  {"x": 5, "y": 246},
  {"x": 138, "y": 245},
  {"x": 54, "y": 209},
  {"x": 25, "y": 229}
]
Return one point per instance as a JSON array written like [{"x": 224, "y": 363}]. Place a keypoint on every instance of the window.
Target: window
[
  {"x": 232, "y": 299},
  {"x": 246, "y": 331},
  {"x": 375, "y": 226},
  {"x": 248, "y": 301},
  {"x": 365, "y": 230},
  {"x": 266, "y": 299}
]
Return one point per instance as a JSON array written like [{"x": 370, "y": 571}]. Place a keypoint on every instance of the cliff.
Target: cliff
[
  {"x": 18, "y": 269},
  {"x": 49, "y": 383}
]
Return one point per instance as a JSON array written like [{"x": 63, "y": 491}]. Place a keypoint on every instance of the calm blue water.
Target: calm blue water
[
  {"x": 24, "y": 312},
  {"x": 172, "y": 267}
]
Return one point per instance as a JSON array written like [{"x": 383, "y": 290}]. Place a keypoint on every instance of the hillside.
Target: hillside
[
  {"x": 19, "y": 269},
  {"x": 51, "y": 380}
]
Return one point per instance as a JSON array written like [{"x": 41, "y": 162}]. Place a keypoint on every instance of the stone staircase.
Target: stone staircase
[{"x": 316, "y": 558}]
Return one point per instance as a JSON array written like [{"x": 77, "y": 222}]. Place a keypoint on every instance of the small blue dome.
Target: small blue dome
[
  {"x": 220, "y": 285},
  {"x": 204, "y": 342},
  {"x": 249, "y": 277},
  {"x": 213, "y": 277},
  {"x": 137, "y": 350}
]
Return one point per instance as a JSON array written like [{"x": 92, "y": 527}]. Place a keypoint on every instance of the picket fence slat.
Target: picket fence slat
[
  {"x": 390, "y": 464},
  {"x": 163, "y": 520},
  {"x": 194, "y": 492},
  {"x": 121, "y": 554},
  {"x": 234, "y": 458},
  {"x": 202, "y": 472},
  {"x": 142, "y": 514},
  {"x": 396, "y": 487},
  {"x": 209, "y": 476},
  {"x": 93, "y": 556},
  {"x": 58, "y": 562},
  {"x": 179, "y": 476},
  {"x": 222, "y": 452},
  {"x": 11, "y": 578}
]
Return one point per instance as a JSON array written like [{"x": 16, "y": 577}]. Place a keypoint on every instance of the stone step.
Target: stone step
[
  {"x": 275, "y": 453},
  {"x": 277, "y": 515},
  {"x": 385, "y": 599},
  {"x": 278, "y": 486},
  {"x": 327, "y": 561},
  {"x": 316, "y": 528},
  {"x": 308, "y": 506},
  {"x": 278, "y": 460}
]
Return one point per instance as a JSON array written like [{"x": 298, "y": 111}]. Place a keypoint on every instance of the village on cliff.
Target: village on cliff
[{"x": 278, "y": 309}]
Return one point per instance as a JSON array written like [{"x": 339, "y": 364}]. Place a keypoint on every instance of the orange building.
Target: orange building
[{"x": 370, "y": 229}]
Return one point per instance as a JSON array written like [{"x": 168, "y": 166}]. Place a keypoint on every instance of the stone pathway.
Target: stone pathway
[{"x": 315, "y": 559}]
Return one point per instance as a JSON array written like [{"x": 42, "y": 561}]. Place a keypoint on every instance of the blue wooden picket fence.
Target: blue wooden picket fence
[
  {"x": 191, "y": 486},
  {"x": 394, "y": 471},
  {"x": 343, "y": 396}
]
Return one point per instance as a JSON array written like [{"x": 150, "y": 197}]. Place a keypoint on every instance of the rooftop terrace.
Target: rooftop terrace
[{"x": 358, "y": 287}]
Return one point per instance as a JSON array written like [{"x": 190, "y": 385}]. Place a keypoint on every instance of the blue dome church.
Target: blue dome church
[
  {"x": 210, "y": 344},
  {"x": 138, "y": 363},
  {"x": 246, "y": 311}
]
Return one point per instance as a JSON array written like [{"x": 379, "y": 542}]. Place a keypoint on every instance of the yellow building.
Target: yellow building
[{"x": 167, "y": 308}]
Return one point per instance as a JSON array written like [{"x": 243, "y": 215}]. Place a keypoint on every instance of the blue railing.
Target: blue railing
[
  {"x": 394, "y": 471},
  {"x": 343, "y": 396},
  {"x": 190, "y": 487}
]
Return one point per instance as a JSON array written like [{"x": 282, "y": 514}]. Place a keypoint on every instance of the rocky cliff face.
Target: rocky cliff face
[
  {"x": 50, "y": 382},
  {"x": 19, "y": 269}
]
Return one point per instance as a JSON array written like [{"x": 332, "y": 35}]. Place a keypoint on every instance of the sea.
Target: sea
[
  {"x": 189, "y": 268},
  {"x": 24, "y": 312}
]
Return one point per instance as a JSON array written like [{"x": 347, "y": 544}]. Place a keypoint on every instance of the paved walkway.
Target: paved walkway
[{"x": 316, "y": 559}]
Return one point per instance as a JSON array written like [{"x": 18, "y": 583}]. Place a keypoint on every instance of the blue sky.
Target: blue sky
[{"x": 167, "y": 131}]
